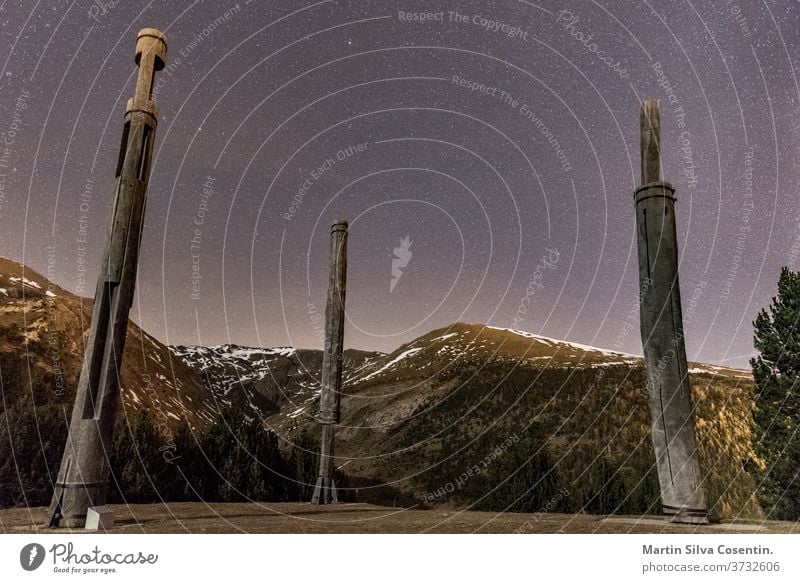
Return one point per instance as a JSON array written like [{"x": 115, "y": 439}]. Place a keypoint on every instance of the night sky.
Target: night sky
[{"x": 277, "y": 118}]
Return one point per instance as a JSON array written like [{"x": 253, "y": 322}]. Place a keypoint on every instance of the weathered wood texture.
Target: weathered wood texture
[
  {"x": 83, "y": 476},
  {"x": 670, "y": 396},
  {"x": 330, "y": 400}
]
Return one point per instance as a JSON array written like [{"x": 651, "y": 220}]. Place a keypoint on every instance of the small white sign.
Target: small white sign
[{"x": 99, "y": 518}]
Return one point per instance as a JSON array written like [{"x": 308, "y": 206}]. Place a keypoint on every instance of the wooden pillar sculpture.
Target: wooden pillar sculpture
[
  {"x": 330, "y": 399},
  {"x": 670, "y": 394},
  {"x": 83, "y": 476}
]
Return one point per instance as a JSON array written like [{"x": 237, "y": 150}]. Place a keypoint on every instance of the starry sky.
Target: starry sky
[{"x": 499, "y": 139}]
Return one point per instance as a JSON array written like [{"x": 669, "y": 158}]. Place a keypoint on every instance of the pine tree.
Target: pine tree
[
  {"x": 186, "y": 466},
  {"x": 303, "y": 463},
  {"x": 31, "y": 445},
  {"x": 136, "y": 462},
  {"x": 521, "y": 479},
  {"x": 776, "y": 371},
  {"x": 606, "y": 489},
  {"x": 244, "y": 461}
]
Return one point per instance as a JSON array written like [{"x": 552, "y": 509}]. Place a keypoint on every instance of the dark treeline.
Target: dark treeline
[
  {"x": 495, "y": 459},
  {"x": 236, "y": 459},
  {"x": 521, "y": 475}
]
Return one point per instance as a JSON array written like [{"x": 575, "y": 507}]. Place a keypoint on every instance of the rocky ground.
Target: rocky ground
[{"x": 194, "y": 517}]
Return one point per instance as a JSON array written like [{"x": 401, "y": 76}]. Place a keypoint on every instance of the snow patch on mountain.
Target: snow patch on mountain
[
  {"x": 575, "y": 345},
  {"x": 405, "y": 354},
  {"x": 25, "y": 281}
]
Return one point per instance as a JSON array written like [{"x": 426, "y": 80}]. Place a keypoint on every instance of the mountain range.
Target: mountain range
[{"x": 414, "y": 421}]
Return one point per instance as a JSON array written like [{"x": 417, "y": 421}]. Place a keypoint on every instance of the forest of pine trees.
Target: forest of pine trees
[{"x": 236, "y": 459}]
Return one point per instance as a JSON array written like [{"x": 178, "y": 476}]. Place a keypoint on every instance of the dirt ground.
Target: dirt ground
[{"x": 194, "y": 517}]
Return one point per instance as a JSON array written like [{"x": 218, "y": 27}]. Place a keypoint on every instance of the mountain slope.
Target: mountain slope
[
  {"x": 422, "y": 416},
  {"x": 43, "y": 329},
  {"x": 269, "y": 380}
]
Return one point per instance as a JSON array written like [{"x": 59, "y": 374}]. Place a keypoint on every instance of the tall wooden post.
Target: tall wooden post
[
  {"x": 330, "y": 399},
  {"x": 83, "y": 477},
  {"x": 670, "y": 394}
]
